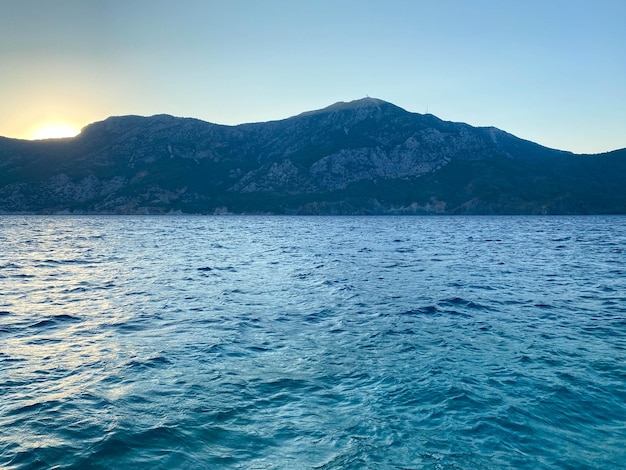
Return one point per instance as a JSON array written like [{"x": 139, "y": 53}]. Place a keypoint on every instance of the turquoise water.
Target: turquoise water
[{"x": 321, "y": 342}]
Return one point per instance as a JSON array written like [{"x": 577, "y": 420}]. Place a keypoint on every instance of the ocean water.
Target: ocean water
[{"x": 312, "y": 343}]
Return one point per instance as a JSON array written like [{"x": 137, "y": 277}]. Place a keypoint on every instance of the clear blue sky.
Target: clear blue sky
[{"x": 552, "y": 71}]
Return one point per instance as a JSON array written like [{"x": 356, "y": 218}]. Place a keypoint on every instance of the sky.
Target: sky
[{"x": 550, "y": 71}]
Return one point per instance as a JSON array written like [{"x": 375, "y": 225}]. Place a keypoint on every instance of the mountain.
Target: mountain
[{"x": 362, "y": 157}]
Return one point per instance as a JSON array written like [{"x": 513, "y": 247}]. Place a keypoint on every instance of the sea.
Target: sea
[{"x": 270, "y": 342}]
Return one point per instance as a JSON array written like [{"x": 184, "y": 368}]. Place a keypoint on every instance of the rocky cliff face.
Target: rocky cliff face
[{"x": 366, "y": 156}]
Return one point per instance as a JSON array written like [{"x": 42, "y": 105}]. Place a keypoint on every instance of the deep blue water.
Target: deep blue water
[{"x": 320, "y": 342}]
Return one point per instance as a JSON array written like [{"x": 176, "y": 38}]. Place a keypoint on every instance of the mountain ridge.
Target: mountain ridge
[{"x": 365, "y": 156}]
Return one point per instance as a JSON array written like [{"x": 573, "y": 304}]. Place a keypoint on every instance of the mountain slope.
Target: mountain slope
[{"x": 365, "y": 156}]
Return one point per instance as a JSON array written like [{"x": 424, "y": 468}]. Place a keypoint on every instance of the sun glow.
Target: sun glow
[{"x": 54, "y": 131}]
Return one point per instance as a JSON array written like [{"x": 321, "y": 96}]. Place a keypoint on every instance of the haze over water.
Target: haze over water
[{"x": 320, "y": 342}]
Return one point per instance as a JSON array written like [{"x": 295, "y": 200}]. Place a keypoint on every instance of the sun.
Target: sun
[{"x": 55, "y": 131}]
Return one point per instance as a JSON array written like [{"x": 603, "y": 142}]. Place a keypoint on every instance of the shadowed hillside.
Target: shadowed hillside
[{"x": 362, "y": 157}]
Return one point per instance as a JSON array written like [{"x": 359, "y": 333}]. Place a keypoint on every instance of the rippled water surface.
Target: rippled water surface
[{"x": 321, "y": 342}]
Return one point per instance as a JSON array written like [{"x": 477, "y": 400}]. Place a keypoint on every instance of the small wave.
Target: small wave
[
  {"x": 427, "y": 310},
  {"x": 66, "y": 261},
  {"x": 303, "y": 276},
  {"x": 74, "y": 290},
  {"x": 285, "y": 387},
  {"x": 230, "y": 269},
  {"x": 35, "y": 407},
  {"x": 65, "y": 318},
  {"x": 318, "y": 316},
  {"x": 458, "y": 301},
  {"x": 54, "y": 321},
  {"x": 150, "y": 363},
  {"x": 10, "y": 266}
]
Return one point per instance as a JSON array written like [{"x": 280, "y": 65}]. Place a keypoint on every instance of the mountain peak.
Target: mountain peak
[
  {"x": 366, "y": 104},
  {"x": 360, "y": 103}
]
